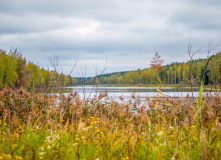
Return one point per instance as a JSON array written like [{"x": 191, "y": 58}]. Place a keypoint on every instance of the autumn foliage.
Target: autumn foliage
[{"x": 157, "y": 62}]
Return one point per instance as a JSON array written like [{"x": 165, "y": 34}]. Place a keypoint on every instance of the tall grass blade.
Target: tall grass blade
[{"x": 199, "y": 104}]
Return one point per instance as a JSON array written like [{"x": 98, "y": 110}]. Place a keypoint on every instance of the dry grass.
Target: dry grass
[{"x": 39, "y": 126}]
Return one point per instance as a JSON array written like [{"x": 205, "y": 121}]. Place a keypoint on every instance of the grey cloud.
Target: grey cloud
[
  {"x": 128, "y": 32},
  {"x": 199, "y": 16},
  {"x": 81, "y": 8}
]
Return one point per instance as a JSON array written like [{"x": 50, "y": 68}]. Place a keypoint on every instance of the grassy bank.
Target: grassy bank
[
  {"x": 146, "y": 85},
  {"x": 39, "y": 126},
  {"x": 195, "y": 88}
]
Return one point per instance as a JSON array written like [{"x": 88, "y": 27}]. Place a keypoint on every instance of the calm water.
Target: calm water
[
  {"x": 126, "y": 92},
  {"x": 114, "y": 93}
]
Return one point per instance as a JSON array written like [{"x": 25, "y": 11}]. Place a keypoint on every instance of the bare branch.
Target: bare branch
[
  {"x": 210, "y": 48},
  {"x": 73, "y": 67}
]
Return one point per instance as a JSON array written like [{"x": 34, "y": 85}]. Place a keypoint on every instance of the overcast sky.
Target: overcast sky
[{"x": 125, "y": 32}]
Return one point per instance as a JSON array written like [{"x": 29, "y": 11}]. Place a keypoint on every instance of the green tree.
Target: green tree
[{"x": 23, "y": 72}]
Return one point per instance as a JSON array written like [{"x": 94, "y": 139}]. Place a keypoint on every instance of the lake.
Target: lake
[{"x": 90, "y": 91}]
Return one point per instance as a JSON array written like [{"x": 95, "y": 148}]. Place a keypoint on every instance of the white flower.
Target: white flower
[
  {"x": 75, "y": 144},
  {"x": 160, "y": 133},
  {"x": 42, "y": 153},
  {"x": 41, "y": 148},
  {"x": 164, "y": 144},
  {"x": 171, "y": 127},
  {"x": 49, "y": 141}
]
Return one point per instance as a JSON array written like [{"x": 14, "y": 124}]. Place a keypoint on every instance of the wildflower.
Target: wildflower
[
  {"x": 83, "y": 137},
  {"x": 194, "y": 137},
  {"x": 193, "y": 126},
  {"x": 42, "y": 153},
  {"x": 41, "y": 148},
  {"x": 171, "y": 127},
  {"x": 56, "y": 136},
  {"x": 6, "y": 156},
  {"x": 14, "y": 145},
  {"x": 49, "y": 147},
  {"x": 125, "y": 131},
  {"x": 160, "y": 133},
  {"x": 95, "y": 122},
  {"x": 48, "y": 137},
  {"x": 19, "y": 158},
  {"x": 97, "y": 159},
  {"x": 61, "y": 120},
  {"x": 75, "y": 144},
  {"x": 81, "y": 127}
]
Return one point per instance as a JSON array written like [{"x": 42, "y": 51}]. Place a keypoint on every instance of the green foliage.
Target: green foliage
[
  {"x": 199, "y": 104},
  {"x": 16, "y": 72},
  {"x": 205, "y": 72},
  {"x": 175, "y": 73},
  {"x": 10, "y": 70}
]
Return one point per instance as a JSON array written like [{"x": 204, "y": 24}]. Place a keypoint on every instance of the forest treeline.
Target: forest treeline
[
  {"x": 15, "y": 71},
  {"x": 208, "y": 70}
]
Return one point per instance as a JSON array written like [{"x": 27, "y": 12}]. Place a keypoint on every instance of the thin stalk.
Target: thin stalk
[{"x": 199, "y": 105}]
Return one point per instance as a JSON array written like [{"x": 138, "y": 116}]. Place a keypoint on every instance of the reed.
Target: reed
[{"x": 46, "y": 126}]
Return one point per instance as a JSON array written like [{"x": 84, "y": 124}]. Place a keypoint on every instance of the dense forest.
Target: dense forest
[
  {"x": 191, "y": 72},
  {"x": 15, "y": 71}
]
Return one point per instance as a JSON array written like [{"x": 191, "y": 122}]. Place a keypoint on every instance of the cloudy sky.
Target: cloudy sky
[{"x": 125, "y": 32}]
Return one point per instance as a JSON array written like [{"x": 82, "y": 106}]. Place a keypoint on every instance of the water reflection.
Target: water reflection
[{"x": 126, "y": 92}]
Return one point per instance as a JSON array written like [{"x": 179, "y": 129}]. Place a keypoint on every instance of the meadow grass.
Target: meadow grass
[{"x": 46, "y": 126}]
